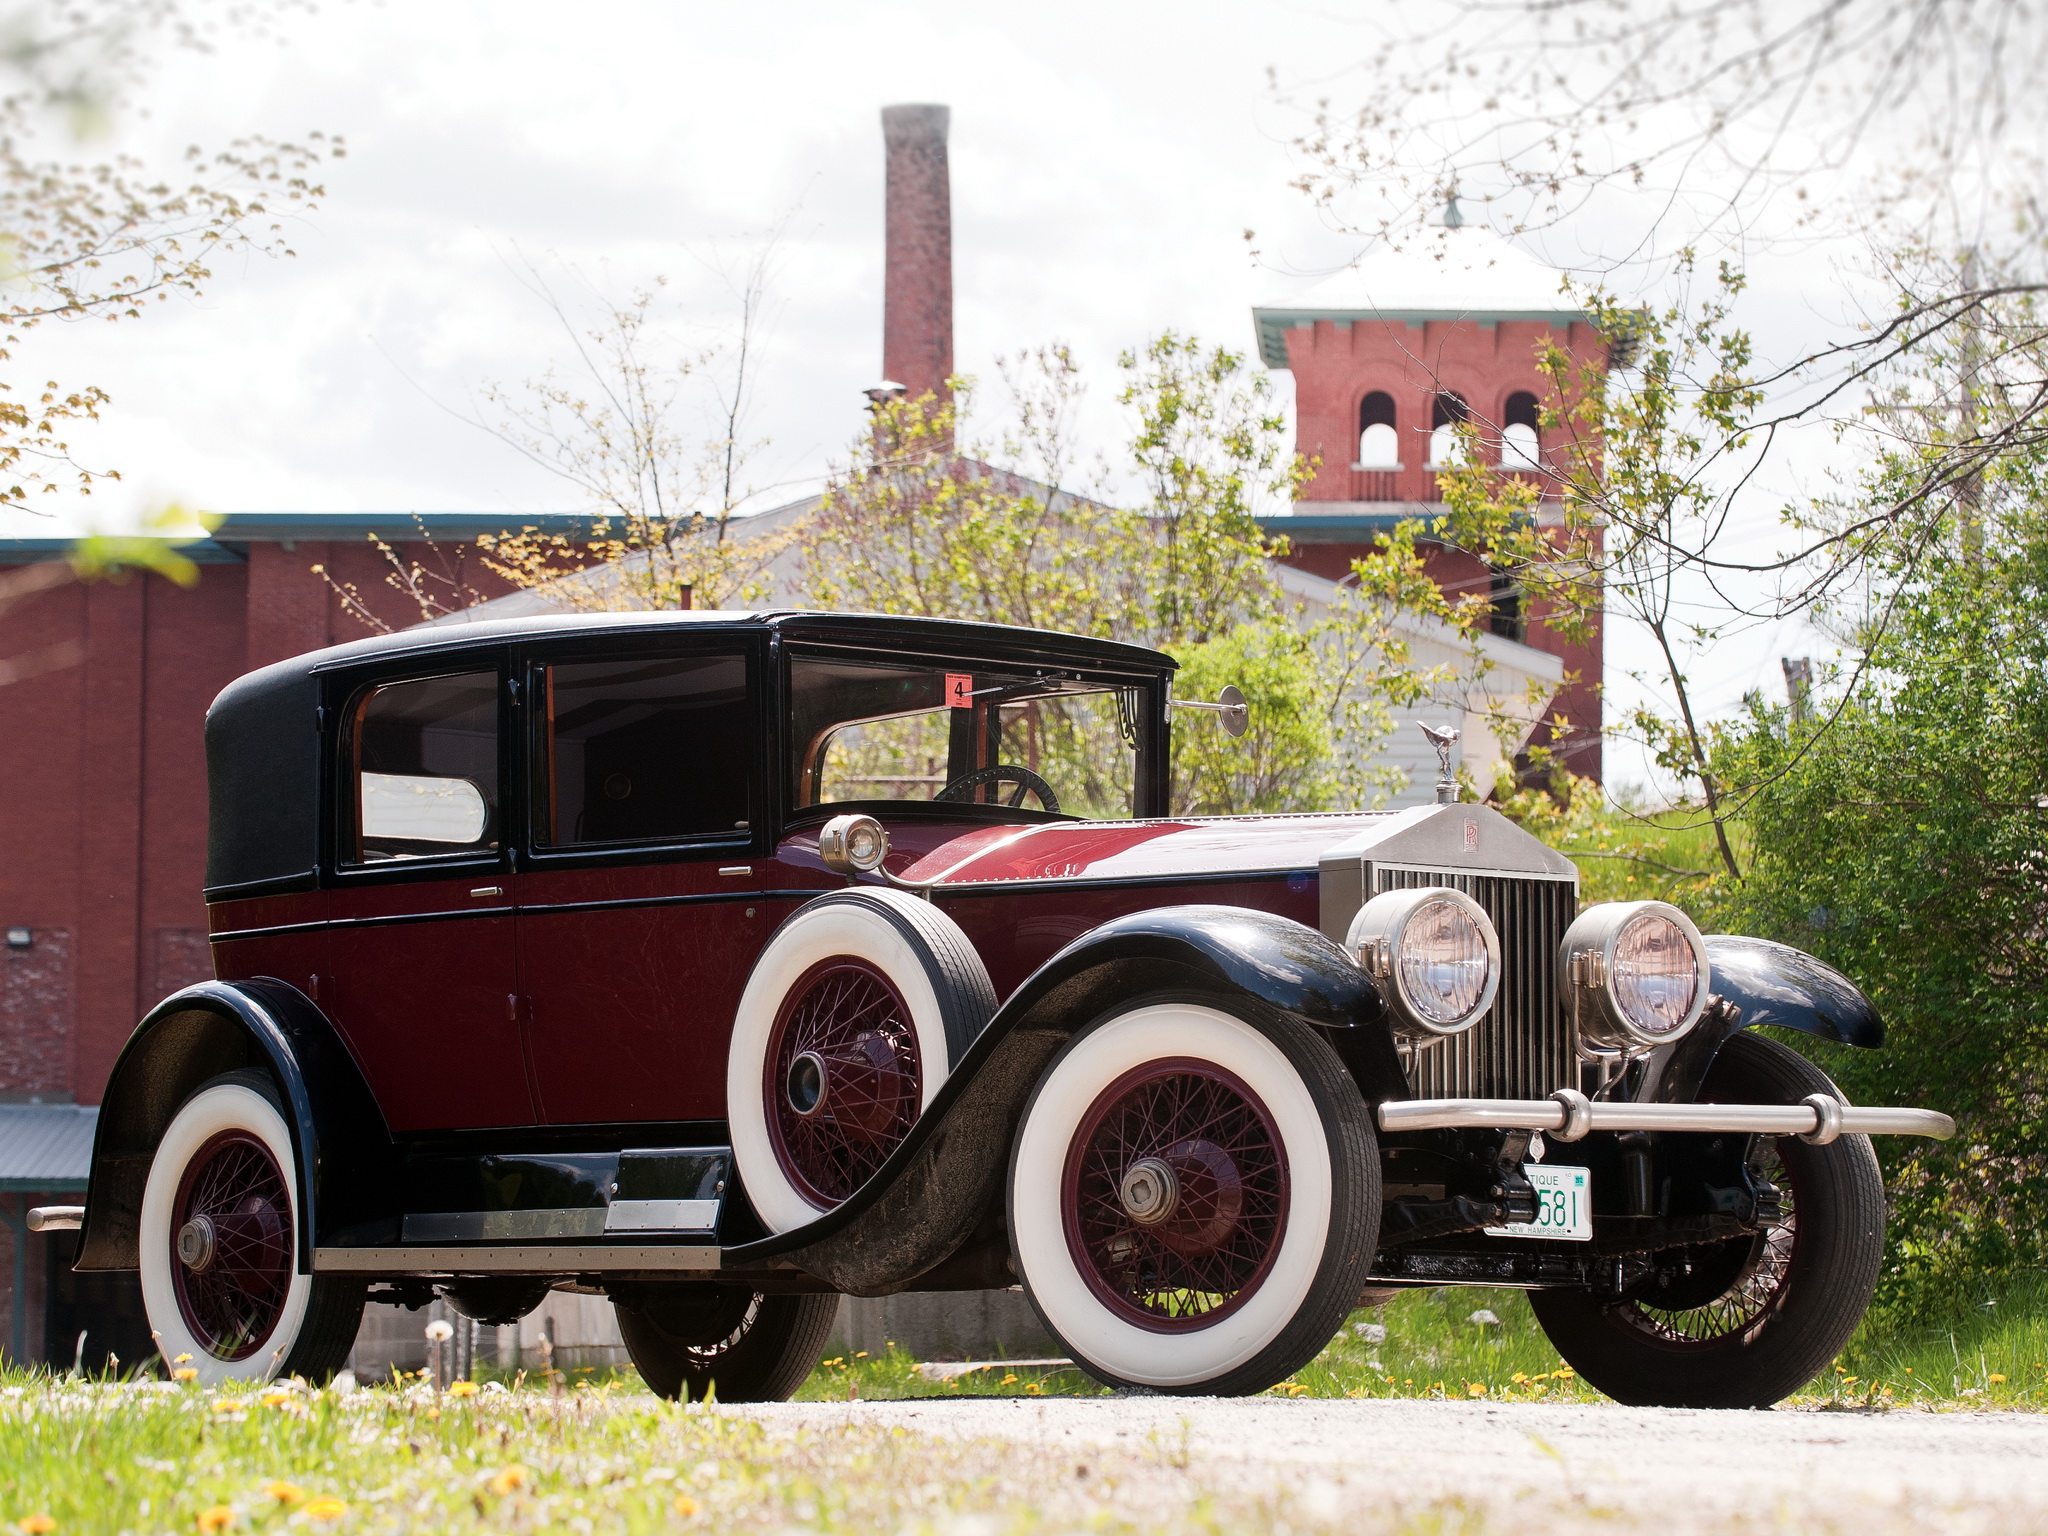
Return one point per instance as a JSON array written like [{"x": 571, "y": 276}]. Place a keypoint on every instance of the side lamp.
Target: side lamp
[{"x": 856, "y": 845}]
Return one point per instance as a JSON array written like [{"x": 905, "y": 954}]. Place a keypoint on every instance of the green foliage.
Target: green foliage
[
  {"x": 927, "y": 520},
  {"x": 1622, "y": 855},
  {"x": 1283, "y": 762},
  {"x": 1903, "y": 836}
]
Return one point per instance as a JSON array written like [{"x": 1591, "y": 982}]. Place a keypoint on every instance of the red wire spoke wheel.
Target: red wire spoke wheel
[
  {"x": 232, "y": 1239},
  {"x": 853, "y": 1015},
  {"x": 1194, "y": 1191},
  {"x": 1175, "y": 1193},
  {"x": 844, "y": 1081}
]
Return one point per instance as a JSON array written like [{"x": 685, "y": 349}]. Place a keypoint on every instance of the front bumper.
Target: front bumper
[{"x": 1569, "y": 1115}]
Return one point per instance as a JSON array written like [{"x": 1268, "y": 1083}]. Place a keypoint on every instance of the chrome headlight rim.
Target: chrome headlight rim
[
  {"x": 1375, "y": 941},
  {"x": 1585, "y": 976}
]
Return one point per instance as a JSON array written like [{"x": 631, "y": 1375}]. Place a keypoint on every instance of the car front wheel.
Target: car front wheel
[
  {"x": 219, "y": 1246},
  {"x": 1746, "y": 1322},
  {"x": 690, "y": 1340},
  {"x": 1194, "y": 1197}
]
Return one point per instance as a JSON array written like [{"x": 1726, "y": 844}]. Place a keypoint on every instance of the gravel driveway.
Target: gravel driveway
[{"x": 1532, "y": 1466}]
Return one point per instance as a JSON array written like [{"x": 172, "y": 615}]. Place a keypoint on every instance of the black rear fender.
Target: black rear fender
[
  {"x": 927, "y": 1199},
  {"x": 342, "y": 1146}
]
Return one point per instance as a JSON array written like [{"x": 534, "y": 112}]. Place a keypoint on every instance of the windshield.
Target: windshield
[{"x": 962, "y": 734}]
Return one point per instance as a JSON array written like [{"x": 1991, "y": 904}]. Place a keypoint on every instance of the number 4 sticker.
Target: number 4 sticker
[{"x": 960, "y": 690}]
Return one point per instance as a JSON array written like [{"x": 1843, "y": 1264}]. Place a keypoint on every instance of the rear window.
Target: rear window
[
  {"x": 425, "y": 764},
  {"x": 647, "y": 751}
]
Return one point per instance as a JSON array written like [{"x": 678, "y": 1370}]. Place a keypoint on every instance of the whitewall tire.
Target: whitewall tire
[
  {"x": 850, "y": 1022},
  {"x": 218, "y": 1246},
  {"x": 1194, "y": 1196}
]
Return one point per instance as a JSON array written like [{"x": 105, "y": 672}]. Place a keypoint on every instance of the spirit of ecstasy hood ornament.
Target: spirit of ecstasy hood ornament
[{"x": 1443, "y": 741}]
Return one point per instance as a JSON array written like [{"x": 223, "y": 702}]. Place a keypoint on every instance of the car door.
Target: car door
[
  {"x": 640, "y": 911},
  {"x": 421, "y": 929}
]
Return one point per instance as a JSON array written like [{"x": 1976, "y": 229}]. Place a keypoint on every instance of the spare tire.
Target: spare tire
[{"x": 851, "y": 1020}]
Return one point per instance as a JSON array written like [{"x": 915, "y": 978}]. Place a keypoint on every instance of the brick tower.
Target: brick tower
[{"x": 1388, "y": 357}]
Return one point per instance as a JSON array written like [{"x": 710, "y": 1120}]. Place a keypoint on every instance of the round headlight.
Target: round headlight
[
  {"x": 853, "y": 845},
  {"x": 1634, "y": 974},
  {"x": 1433, "y": 953}
]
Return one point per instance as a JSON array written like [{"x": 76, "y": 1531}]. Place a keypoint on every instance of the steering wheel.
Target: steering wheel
[{"x": 1023, "y": 778}]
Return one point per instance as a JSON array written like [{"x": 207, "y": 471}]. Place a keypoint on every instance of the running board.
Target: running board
[
  {"x": 536, "y": 1259},
  {"x": 1568, "y": 1115}
]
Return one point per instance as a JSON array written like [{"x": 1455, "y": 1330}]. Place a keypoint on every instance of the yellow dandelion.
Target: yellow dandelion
[
  {"x": 1564, "y": 1373},
  {"x": 1520, "y": 1378},
  {"x": 1993, "y": 1377},
  {"x": 229, "y": 1405},
  {"x": 463, "y": 1389},
  {"x": 507, "y": 1479},
  {"x": 860, "y": 1354},
  {"x": 1034, "y": 1389},
  {"x": 284, "y": 1492},
  {"x": 36, "y": 1525},
  {"x": 275, "y": 1399},
  {"x": 325, "y": 1509},
  {"x": 1009, "y": 1380},
  {"x": 218, "y": 1518},
  {"x": 187, "y": 1374},
  {"x": 1475, "y": 1389},
  {"x": 685, "y": 1505},
  {"x": 181, "y": 1359}
]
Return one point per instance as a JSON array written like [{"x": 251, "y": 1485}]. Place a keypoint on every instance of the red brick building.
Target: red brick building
[{"x": 103, "y": 822}]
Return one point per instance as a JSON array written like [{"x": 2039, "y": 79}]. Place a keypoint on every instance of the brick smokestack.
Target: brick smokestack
[{"x": 917, "y": 295}]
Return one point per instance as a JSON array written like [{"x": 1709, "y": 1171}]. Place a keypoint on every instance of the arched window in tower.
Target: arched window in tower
[
  {"x": 1378, "y": 445},
  {"x": 1519, "y": 443},
  {"x": 1446, "y": 414}
]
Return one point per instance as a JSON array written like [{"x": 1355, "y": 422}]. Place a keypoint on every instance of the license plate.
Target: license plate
[{"x": 1564, "y": 1205}]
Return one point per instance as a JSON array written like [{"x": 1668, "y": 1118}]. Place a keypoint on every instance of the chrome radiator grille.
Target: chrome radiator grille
[{"x": 1524, "y": 1047}]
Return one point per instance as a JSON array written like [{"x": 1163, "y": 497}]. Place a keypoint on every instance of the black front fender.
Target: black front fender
[
  {"x": 925, "y": 1201},
  {"x": 342, "y": 1145},
  {"x": 1777, "y": 984},
  {"x": 1760, "y": 982}
]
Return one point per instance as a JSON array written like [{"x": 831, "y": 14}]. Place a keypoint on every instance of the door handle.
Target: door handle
[{"x": 487, "y": 890}]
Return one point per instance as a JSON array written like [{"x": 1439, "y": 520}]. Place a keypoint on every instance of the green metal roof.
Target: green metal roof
[
  {"x": 1273, "y": 325},
  {"x": 237, "y": 530}
]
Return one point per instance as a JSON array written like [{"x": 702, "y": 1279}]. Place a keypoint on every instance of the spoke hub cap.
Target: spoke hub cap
[
  {"x": 232, "y": 1240},
  {"x": 1175, "y": 1195},
  {"x": 196, "y": 1243},
  {"x": 844, "y": 1083}
]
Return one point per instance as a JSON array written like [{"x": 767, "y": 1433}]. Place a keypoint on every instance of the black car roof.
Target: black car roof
[
  {"x": 263, "y": 741},
  {"x": 456, "y": 632}
]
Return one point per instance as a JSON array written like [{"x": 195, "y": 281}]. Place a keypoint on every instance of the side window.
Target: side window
[
  {"x": 647, "y": 751},
  {"x": 426, "y": 768}
]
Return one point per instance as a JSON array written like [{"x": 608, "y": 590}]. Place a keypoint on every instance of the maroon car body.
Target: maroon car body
[{"x": 716, "y": 962}]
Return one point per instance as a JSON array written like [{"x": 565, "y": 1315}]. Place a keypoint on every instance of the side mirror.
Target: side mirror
[
  {"x": 853, "y": 845},
  {"x": 1232, "y": 713}
]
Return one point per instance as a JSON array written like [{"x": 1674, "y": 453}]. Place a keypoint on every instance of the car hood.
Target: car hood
[{"x": 1138, "y": 850}]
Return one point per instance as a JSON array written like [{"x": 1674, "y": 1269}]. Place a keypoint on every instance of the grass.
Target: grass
[
  {"x": 1456, "y": 1343},
  {"x": 595, "y": 1452}
]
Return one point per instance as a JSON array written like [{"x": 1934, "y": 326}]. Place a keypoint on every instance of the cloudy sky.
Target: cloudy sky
[{"x": 1106, "y": 162}]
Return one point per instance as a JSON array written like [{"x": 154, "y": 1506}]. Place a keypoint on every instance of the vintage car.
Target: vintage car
[{"x": 724, "y": 963}]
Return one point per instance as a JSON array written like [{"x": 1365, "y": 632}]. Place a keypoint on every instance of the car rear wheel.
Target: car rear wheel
[
  {"x": 1748, "y": 1322},
  {"x": 1194, "y": 1197},
  {"x": 851, "y": 1020},
  {"x": 690, "y": 1340},
  {"x": 219, "y": 1246}
]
